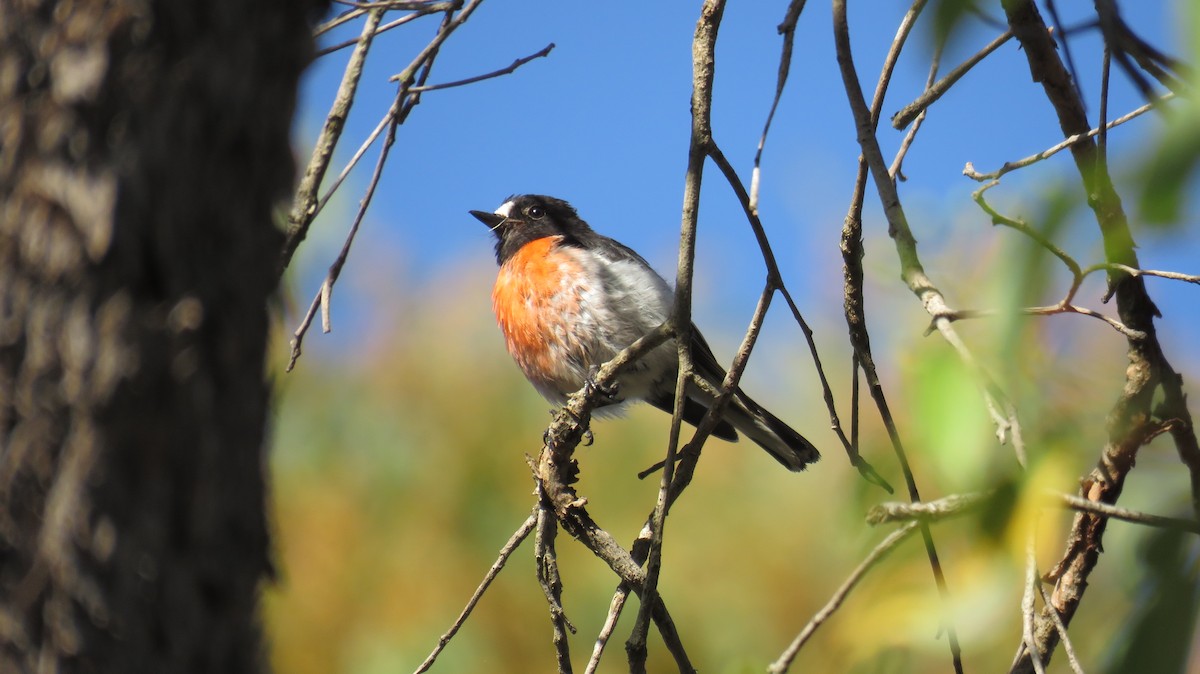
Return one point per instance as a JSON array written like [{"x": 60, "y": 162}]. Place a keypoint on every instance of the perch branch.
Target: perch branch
[{"x": 556, "y": 470}]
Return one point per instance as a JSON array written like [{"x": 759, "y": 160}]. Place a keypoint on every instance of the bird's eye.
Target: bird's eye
[{"x": 536, "y": 212}]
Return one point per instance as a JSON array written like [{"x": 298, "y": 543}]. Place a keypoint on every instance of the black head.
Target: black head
[{"x": 528, "y": 217}]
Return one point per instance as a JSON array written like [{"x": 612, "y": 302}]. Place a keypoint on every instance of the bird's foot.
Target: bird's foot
[{"x": 603, "y": 395}]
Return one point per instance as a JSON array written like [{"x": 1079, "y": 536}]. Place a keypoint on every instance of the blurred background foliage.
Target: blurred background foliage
[
  {"x": 398, "y": 447},
  {"x": 399, "y": 473}
]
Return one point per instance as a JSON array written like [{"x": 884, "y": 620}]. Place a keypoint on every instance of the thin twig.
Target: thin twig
[
  {"x": 784, "y": 662},
  {"x": 864, "y": 468},
  {"x": 388, "y": 4},
  {"x": 1081, "y": 504},
  {"x": 1052, "y": 7},
  {"x": 932, "y": 93},
  {"x": 1102, "y": 123},
  {"x": 775, "y": 280},
  {"x": 787, "y": 28},
  {"x": 1190, "y": 278},
  {"x": 506, "y": 551},
  {"x": 415, "y": 75},
  {"x": 1133, "y": 420},
  {"x": 1052, "y": 310},
  {"x": 433, "y": 9},
  {"x": 970, "y": 172},
  {"x": 926, "y": 511},
  {"x": 544, "y": 51},
  {"x": 1065, "y": 305},
  {"x": 958, "y": 504},
  {"x": 344, "y": 17},
  {"x": 703, "y": 67},
  {"x": 898, "y": 160},
  {"x": 911, "y": 270},
  {"x": 620, "y": 596},
  {"x": 1062, "y": 631},
  {"x": 304, "y": 204},
  {"x": 335, "y": 270},
  {"x": 1028, "y": 603}
]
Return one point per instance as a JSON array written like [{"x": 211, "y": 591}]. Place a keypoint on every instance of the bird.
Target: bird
[{"x": 568, "y": 299}]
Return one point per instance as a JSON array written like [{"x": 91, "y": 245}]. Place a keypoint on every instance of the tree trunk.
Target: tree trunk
[{"x": 143, "y": 150}]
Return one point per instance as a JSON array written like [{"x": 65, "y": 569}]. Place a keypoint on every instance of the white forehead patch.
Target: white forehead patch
[{"x": 505, "y": 209}]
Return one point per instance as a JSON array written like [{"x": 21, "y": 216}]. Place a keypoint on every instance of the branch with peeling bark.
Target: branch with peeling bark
[{"x": 1132, "y": 421}]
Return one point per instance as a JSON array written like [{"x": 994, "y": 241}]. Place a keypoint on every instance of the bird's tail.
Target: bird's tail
[{"x": 767, "y": 431}]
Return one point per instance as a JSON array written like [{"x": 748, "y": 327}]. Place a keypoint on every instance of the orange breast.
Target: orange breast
[{"x": 537, "y": 302}]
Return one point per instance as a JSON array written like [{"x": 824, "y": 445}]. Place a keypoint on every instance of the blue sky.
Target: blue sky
[{"x": 604, "y": 122}]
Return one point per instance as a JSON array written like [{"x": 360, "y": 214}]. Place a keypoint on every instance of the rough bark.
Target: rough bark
[{"x": 143, "y": 150}]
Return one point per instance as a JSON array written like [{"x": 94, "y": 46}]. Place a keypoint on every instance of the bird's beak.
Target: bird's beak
[{"x": 492, "y": 220}]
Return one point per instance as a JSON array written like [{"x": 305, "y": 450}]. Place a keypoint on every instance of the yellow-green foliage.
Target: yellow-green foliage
[{"x": 399, "y": 473}]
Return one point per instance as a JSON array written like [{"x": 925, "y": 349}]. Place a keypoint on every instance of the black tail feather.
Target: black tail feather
[{"x": 767, "y": 431}]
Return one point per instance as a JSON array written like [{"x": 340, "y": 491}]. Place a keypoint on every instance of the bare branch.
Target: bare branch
[
  {"x": 932, "y": 93},
  {"x": 866, "y": 121},
  {"x": 544, "y": 51},
  {"x": 1190, "y": 278},
  {"x": 703, "y": 68},
  {"x": 959, "y": 504},
  {"x": 1062, "y": 632},
  {"x": 335, "y": 270},
  {"x": 1131, "y": 421},
  {"x": 393, "y": 4},
  {"x": 555, "y": 470},
  {"x": 306, "y": 210},
  {"x": 1032, "y": 583},
  {"x": 610, "y": 625},
  {"x": 928, "y": 511},
  {"x": 788, "y": 30},
  {"x": 344, "y": 17},
  {"x": 1008, "y": 167},
  {"x": 898, "y": 160},
  {"x": 1084, "y": 505},
  {"x": 775, "y": 281},
  {"x": 548, "y": 577},
  {"x": 304, "y": 205},
  {"x": 432, "y": 9}
]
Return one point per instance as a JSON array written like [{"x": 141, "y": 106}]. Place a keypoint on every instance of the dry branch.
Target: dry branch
[
  {"x": 866, "y": 122},
  {"x": 1131, "y": 422},
  {"x": 938, "y": 89}
]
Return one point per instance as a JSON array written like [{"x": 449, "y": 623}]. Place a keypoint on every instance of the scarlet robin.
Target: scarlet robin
[{"x": 568, "y": 299}]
